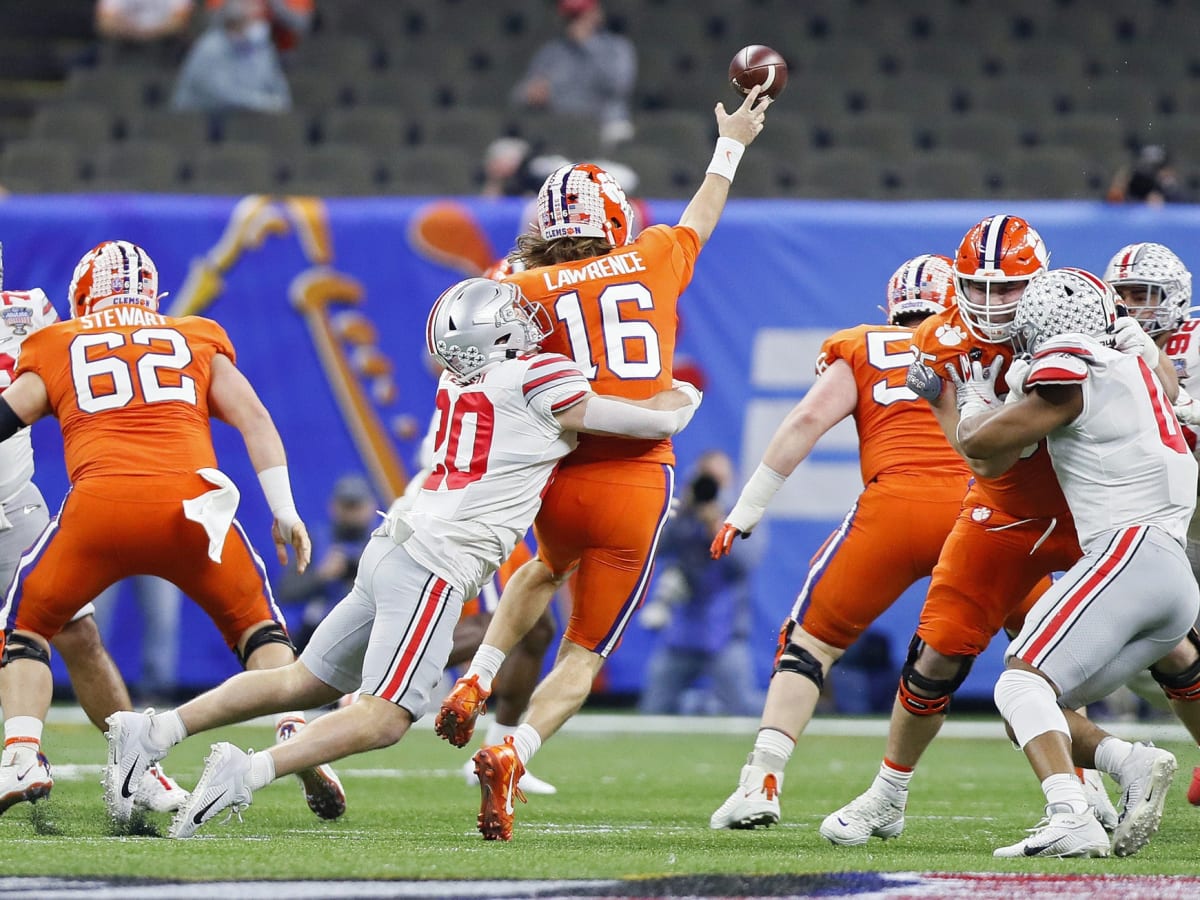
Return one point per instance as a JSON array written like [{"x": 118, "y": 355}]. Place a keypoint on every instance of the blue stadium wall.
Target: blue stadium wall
[{"x": 326, "y": 305}]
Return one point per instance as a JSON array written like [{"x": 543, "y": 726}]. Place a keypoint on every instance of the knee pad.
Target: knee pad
[
  {"x": 934, "y": 693},
  {"x": 1183, "y": 685},
  {"x": 268, "y": 634},
  {"x": 794, "y": 658},
  {"x": 17, "y": 646},
  {"x": 1029, "y": 705}
]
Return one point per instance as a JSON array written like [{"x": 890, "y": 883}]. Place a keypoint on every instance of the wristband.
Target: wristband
[
  {"x": 752, "y": 504},
  {"x": 277, "y": 488},
  {"x": 726, "y": 157}
]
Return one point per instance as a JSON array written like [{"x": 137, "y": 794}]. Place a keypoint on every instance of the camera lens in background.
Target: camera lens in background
[{"x": 705, "y": 489}]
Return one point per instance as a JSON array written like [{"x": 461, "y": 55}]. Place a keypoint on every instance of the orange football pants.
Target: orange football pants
[
  {"x": 992, "y": 570},
  {"x": 111, "y": 528},
  {"x": 606, "y": 518},
  {"x": 890, "y": 539}
]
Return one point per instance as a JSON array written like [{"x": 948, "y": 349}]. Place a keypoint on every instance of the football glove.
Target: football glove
[
  {"x": 1015, "y": 379},
  {"x": 976, "y": 386},
  {"x": 1129, "y": 338},
  {"x": 923, "y": 381},
  {"x": 1187, "y": 410}
]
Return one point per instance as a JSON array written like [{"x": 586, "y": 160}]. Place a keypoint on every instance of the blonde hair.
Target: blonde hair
[{"x": 534, "y": 251}]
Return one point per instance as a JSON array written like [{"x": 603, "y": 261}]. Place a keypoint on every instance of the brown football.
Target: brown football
[{"x": 758, "y": 64}]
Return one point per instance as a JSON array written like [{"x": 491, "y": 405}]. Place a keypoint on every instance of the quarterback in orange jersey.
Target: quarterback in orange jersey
[
  {"x": 134, "y": 392},
  {"x": 912, "y": 477},
  {"x": 613, "y": 302}
]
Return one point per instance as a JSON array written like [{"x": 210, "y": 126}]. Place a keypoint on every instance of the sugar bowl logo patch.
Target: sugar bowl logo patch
[{"x": 17, "y": 319}]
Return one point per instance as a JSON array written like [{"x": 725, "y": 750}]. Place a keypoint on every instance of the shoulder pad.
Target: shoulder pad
[
  {"x": 1069, "y": 344},
  {"x": 1056, "y": 368}
]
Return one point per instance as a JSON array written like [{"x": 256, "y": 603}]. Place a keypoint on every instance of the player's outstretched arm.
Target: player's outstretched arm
[
  {"x": 23, "y": 403},
  {"x": 656, "y": 418},
  {"x": 737, "y": 131},
  {"x": 232, "y": 399},
  {"x": 1004, "y": 432}
]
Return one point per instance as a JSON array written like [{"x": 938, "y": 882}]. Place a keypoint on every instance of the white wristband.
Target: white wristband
[
  {"x": 277, "y": 488},
  {"x": 752, "y": 504},
  {"x": 726, "y": 157}
]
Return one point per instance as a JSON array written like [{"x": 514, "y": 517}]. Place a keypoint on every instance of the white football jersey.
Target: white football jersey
[
  {"x": 1124, "y": 460},
  {"x": 21, "y": 314},
  {"x": 496, "y": 444}
]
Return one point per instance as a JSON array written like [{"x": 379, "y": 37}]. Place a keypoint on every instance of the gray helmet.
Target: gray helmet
[
  {"x": 1166, "y": 279},
  {"x": 1063, "y": 301},
  {"x": 479, "y": 321}
]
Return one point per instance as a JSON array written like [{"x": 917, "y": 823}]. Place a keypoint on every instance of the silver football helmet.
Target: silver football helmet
[
  {"x": 1154, "y": 284},
  {"x": 1063, "y": 301},
  {"x": 480, "y": 321}
]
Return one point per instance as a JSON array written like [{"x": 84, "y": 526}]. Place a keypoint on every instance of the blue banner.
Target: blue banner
[{"x": 325, "y": 302}]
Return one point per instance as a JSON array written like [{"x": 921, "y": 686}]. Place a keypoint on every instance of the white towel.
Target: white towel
[{"x": 214, "y": 510}]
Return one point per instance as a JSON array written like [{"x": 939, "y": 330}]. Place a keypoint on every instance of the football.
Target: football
[{"x": 758, "y": 64}]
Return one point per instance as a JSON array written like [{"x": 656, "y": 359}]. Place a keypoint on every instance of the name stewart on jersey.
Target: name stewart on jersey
[
  {"x": 601, "y": 267},
  {"x": 119, "y": 316}
]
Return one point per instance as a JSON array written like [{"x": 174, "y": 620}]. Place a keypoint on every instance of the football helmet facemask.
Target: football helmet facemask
[
  {"x": 583, "y": 200},
  {"x": 479, "y": 321},
  {"x": 922, "y": 286},
  {"x": 999, "y": 250},
  {"x": 1064, "y": 301},
  {"x": 1154, "y": 285},
  {"x": 114, "y": 273}
]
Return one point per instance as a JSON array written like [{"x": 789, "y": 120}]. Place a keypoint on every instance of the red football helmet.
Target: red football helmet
[
  {"x": 923, "y": 285},
  {"x": 583, "y": 200},
  {"x": 112, "y": 273},
  {"x": 995, "y": 261}
]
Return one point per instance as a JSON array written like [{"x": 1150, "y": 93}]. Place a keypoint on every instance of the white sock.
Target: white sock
[
  {"x": 496, "y": 733},
  {"x": 22, "y": 738},
  {"x": 1065, "y": 790},
  {"x": 262, "y": 770},
  {"x": 893, "y": 779},
  {"x": 485, "y": 664},
  {"x": 1111, "y": 753},
  {"x": 526, "y": 742},
  {"x": 166, "y": 729},
  {"x": 772, "y": 749}
]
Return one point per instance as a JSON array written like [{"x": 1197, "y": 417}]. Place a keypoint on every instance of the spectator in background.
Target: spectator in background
[
  {"x": 142, "y": 21},
  {"x": 352, "y": 517},
  {"x": 702, "y": 605},
  {"x": 1150, "y": 180},
  {"x": 506, "y": 169},
  {"x": 588, "y": 72},
  {"x": 159, "y": 604},
  {"x": 233, "y": 65},
  {"x": 289, "y": 20}
]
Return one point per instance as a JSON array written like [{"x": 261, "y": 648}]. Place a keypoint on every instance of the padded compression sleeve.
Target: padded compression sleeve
[{"x": 614, "y": 417}]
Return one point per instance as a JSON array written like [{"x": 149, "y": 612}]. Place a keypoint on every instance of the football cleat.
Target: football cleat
[
  {"x": 464, "y": 704},
  {"x": 1145, "y": 777},
  {"x": 1061, "y": 834},
  {"x": 1098, "y": 800},
  {"x": 223, "y": 785},
  {"x": 1193, "y": 793},
  {"x": 529, "y": 782},
  {"x": 754, "y": 802},
  {"x": 24, "y": 779},
  {"x": 870, "y": 814},
  {"x": 130, "y": 756},
  {"x": 323, "y": 791},
  {"x": 499, "y": 770},
  {"x": 159, "y": 792}
]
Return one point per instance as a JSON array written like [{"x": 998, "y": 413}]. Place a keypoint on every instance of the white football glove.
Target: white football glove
[
  {"x": 1015, "y": 379},
  {"x": 1187, "y": 410},
  {"x": 1131, "y": 339},
  {"x": 976, "y": 387}
]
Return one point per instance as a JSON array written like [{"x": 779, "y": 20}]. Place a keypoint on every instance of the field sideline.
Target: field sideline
[{"x": 635, "y": 794}]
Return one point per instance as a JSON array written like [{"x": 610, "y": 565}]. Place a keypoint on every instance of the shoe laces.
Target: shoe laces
[
  {"x": 235, "y": 809},
  {"x": 872, "y": 805}
]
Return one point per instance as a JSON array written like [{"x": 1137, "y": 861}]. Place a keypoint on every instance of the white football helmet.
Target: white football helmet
[
  {"x": 479, "y": 321},
  {"x": 583, "y": 200},
  {"x": 113, "y": 273},
  {"x": 1154, "y": 285},
  {"x": 922, "y": 286},
  {"x": 1064, "y": 301},
  {"x": 994, "y": 262}
]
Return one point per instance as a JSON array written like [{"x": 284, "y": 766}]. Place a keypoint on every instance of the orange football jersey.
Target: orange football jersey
[
  {"x": 1030, "y": 488},
  {"x": 615, "y": 315},
  {"x": 897, "y": 432},
  {"x": 130, "y": 390}
]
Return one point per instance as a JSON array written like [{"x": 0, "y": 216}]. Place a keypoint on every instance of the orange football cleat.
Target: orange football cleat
[
  {"x": 499, "y": 770},
  {"x": 463, "y": 705},
  {"x": 1194, "y": 788}
]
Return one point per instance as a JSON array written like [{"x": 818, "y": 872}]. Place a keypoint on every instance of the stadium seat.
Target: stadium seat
[
  {"x": 404, "y": 95},
  {"x": 851, "y": 172},
  {"x": 333, "y": 170},
  {"x": 137, "y": 165},
  {"x": 82, "y": 123},
  {"x": 567, "y": 135},
  {"x": 114, "y": 88},
  {"x": 379, "y": 127},
  {"x": 944, "y": 175},
  {"x": 275, "y": 130},
  {"x": 433, "y": 171},
  {"x": 676, "y": 130},
  {"x": 315, "y": 91},
  {"x": 178, "y": 128},
  {"x": 1052, "y": 173},
  {"x": 233, "y": 168},
  {"x": 884, "y": 132},
  {"x": 41, "y": 166},
  {"x": 986, "y": 134},
  {"x": 472, "y": 129}
]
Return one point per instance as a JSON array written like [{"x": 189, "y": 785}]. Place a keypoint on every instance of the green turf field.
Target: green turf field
[{"x": 628, "y": 805}]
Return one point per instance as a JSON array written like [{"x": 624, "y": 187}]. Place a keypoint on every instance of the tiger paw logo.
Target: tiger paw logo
[
  {"x": 981, "y": 514},
  {"x": 950, "y": 335}
]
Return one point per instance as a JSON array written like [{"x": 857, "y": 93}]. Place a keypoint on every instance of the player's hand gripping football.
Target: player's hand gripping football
[
  {"x": 300, "y": 542},
  {"x": 745, "y": 122}
]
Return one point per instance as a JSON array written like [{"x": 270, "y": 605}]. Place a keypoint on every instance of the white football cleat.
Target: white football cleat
[
  {"x": 1098, "y": 800},
  {"x": 754, "y": 802},
  {"x": 1144, "y": 776},
  {"x": 223, "y": 785},
  {"x": 159, "y": 792},
  {"x": 130, "y": 755},
  {"x": 1061, "y": 834},
  {"x": 24, "y": 777},
  {"x": 323, "y": 791},
  {"x": 870, "y": 814},
  {"x": 529, "y": 782}
]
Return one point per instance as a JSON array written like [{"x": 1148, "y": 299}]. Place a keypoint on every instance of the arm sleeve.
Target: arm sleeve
[{"x": 615, "y": 417}]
